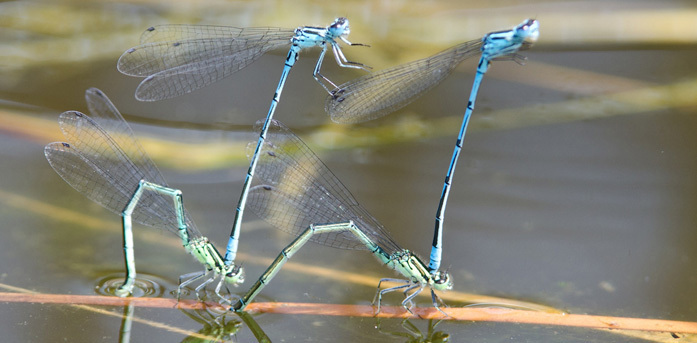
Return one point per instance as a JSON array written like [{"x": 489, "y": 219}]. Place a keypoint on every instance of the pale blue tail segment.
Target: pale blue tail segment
[
  {"x": 496, "y": 45},
  {"x": 304, "y": 37},
  {"x": 231, "y": 252}
]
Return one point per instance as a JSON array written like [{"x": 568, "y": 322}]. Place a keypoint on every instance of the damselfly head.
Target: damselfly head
[
  {"x": 235, "y": 276},
  {"x": 442, "y": 281},
  {"x": 529, "y": 30},
  {"x": 340, "y": 27}
]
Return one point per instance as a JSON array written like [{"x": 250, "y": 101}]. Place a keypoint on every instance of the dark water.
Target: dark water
[{"x": 585, "y": 215}]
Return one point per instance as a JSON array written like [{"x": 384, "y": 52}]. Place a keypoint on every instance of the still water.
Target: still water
[{"x": 576, "y": 186}]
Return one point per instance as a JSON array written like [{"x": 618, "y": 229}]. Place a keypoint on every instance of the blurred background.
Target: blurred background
[{"x": 576, "y": 186}]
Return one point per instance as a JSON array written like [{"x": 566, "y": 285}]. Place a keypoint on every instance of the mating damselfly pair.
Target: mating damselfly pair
[{"x": 286, "y": 184}]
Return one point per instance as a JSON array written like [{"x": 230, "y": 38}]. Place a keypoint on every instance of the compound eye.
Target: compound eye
[
  {"x": 445, "y": 282},
  {"x": 339, "y": 28},
  {"x": 340, "y": 23}
]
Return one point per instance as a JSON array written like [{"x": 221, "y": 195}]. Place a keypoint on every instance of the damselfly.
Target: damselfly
[
  {"x": 375, "y": 95},
  {"x": 297, "y": 193},
  {"x": 177, "y": 59},
  {"x": 104, "y": 162}
]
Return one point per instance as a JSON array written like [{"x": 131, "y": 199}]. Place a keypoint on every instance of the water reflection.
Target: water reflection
[
  {"x": 217, "y": 326},
  {"x": 414, "y": 335},
  {"x": 259, "y": 334},
  {"x": 126, "y": 324}
]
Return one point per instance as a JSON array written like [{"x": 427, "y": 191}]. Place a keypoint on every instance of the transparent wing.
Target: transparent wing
[
  {"x": 105, "y": 114},
  {"x": 378, "y": 94},
  {"x": 292, "y": 188},
  {"x": 180, "y": 32},
  {"x": 97, "y": 167},
  {"x": 177, "y": 59}
]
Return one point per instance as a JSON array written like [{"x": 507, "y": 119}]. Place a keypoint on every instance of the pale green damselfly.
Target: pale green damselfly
[
  {"x": 104, "y": 161},
  {"x": 297, "y": 193}
]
